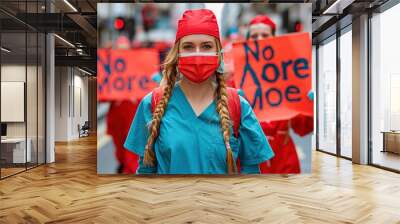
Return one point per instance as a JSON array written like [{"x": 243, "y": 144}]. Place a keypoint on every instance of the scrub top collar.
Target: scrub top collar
[{"x": 187, "y": 103}]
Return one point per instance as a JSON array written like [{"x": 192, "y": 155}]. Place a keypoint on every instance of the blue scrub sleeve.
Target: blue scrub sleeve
[
  {"x": 156, "y": 77},
  {"x": 311, "y": 95},
  {"x": 138, "y": 132},
  {"x": 253, "y": 145},
  {"x": 240, "y": 92}
]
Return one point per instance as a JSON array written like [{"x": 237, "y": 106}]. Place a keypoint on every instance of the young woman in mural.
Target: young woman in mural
[
  {"x": 286, "y": 160},
  {"x": 186, "y": 126}
]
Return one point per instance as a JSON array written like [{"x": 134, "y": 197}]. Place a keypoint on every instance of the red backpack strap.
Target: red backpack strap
[
  {"x": 234, "y": 108},
  {"x": 156, "y": 96},
  {"x": 235, "y": 113}
]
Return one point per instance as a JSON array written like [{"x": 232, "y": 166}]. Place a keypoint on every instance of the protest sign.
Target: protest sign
[
  {"x": 275, "y": 75},
  {"x": 125, "y": 74}
]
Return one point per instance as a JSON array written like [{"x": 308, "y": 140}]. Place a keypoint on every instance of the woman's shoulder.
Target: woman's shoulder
[
  {"x": 147, "y": 98},
  {"x": 145, "y": 105},
  {"x": 244, "y": 104}
]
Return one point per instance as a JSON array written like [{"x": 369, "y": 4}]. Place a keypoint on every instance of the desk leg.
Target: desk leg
[{"x": 384, "y": 143}]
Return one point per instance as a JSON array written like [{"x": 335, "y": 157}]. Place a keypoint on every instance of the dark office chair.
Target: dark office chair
[{"x": 84, "y": 130}]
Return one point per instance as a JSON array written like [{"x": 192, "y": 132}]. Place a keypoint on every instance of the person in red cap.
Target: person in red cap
[
  {"x": 286, "y": 160},
  {"x": 184, "y": 126},
  {"x": 261, "y": 27}
]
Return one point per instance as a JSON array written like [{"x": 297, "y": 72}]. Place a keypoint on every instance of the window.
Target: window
[
  {"x": 385, "y": 89},
  {"x": 327, "y": 96},
  {"x": 346, "y": 93}
]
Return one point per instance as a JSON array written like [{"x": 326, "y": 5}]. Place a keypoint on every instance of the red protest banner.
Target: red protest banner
[
  {"x": 125, "y": 74},
  {"x": 275, "y": 75}
]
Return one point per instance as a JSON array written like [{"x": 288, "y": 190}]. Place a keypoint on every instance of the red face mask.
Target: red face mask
[{"x": 198, "y": 67}]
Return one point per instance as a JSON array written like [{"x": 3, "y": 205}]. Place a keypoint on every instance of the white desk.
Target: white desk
[{"x": 18, "y": 151}]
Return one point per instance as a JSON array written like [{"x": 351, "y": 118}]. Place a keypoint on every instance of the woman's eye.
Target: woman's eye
[{"x": 207, "y": 46}]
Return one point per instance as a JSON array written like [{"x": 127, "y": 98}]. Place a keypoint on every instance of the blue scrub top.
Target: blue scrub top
[{"x": 190, "y": 144}]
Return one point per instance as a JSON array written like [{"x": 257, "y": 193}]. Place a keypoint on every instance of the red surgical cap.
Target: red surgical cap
[
  {"x": 263, "y": 19},
  {"x": 200, "y": 21}
]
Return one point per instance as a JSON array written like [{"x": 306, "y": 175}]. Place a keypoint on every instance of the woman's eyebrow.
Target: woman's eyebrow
[
  {"x": 187, "y": 42},
  {"x": 207, "y": 42}
]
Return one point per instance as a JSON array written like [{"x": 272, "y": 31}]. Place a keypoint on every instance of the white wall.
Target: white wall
[
  {"x": 61, "y": 103},
  {"x": 14, "y": 73},
  {"x": 81, "y": 100},
  {"x": 17, "y": 73},
  {"x": 33, "y": 126},
  {"x": 71, "y": 93}
]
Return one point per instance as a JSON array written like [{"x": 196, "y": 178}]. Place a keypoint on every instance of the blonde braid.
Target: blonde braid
[
  {"x": 222, "y": 109},
  {"x": 169, "y": 77}
]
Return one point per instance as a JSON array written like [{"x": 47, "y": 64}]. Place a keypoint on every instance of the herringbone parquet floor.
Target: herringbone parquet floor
[{"x": 70, "y": 191}]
